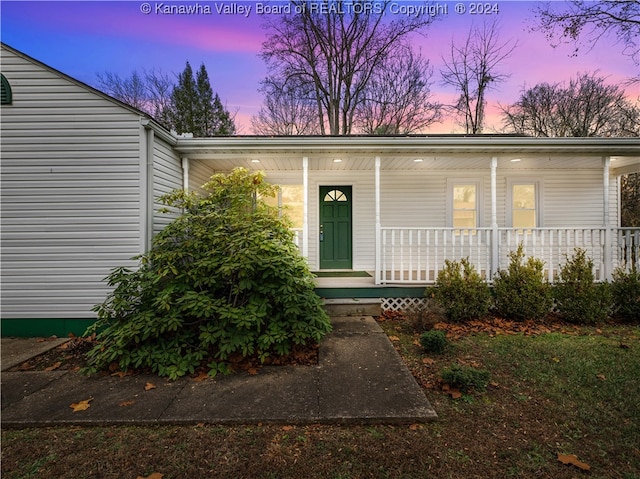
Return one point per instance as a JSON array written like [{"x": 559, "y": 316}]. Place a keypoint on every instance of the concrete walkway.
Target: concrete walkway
[{"x": 360, "y": 378}]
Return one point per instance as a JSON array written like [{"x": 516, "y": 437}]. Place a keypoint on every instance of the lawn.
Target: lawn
[{"x": 563, "y": 390}]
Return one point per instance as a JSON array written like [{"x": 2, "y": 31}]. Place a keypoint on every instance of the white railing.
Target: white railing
[
  {"x": 416, "y": 255},
  {"x": 627, "y": 248}
]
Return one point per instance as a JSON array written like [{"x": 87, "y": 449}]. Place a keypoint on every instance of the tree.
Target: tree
[
  {"x": 630, "y": 200},
  {"x": 576, "y": 20},
  {"x": 224, "y": 279},
  {"x": 587, "y": 106},
  {"x": 472, "y": 69},
  {"x": 287, "y": 110},
  {"x": 397, "y": 99},
  {"x": 149, "y": 92},
  {"x": 333, "y": 48}
]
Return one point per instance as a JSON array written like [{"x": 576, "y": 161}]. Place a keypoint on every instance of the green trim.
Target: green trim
[
  {"x": 6, "y": 96},
  {"x": 342, "y": 274},
  {"x": 35, "y": 328},
  {"x": 382, "y": 292}
]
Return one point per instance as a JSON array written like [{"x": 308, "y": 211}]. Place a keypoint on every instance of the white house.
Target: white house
[{"x": 81, "y": 174}]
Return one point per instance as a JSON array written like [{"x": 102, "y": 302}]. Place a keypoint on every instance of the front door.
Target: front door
[{"x": 335, "y": 227}]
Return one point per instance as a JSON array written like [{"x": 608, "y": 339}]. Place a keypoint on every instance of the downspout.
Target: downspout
[
  {"x": 494, "y": 220},
  {"x": 608, "y": 257},
  {"x": 146, "y": 187},
  {"x": 305, "y": 207},
  {"x": 378, "y": 273},
  {"x": 185, "y": 174}
]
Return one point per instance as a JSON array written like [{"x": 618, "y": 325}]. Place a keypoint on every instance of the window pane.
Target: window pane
[
  {"x": 524, "y": 196},
  {"x": 464, "y": 197},
  {"x": 524, "y": 218},
  {"x": 293, "y": 203},
  {"x": 464, "y": 219}
]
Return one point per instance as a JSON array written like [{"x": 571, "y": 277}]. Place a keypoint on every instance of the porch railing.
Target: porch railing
[{"x": 416, "y": 255}]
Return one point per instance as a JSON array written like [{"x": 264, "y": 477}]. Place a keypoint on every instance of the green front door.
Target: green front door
[{"x": 335, "y": 227}]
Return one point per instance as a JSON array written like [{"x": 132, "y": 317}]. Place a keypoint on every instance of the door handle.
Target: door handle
[{"x": 321, "y": 233}]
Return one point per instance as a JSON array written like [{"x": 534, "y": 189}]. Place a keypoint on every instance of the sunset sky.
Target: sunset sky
[{"x": 83, "y": 38}]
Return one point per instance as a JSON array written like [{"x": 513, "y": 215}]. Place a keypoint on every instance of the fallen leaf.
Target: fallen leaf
[
  {"x": 415, "y": 426},
  {"x": 126, "y": 403},
  {"x": 455, "y": 393},
  {"x": 121, "y": 374},
  {"x": 149, "y": 386},
  {"x": 54, "y": 366},
  {"x": 573, "y": 460},
  {"x": 394, "y": 338},
  {"x": 624, "y": 345},
  {"x": 155, "y": 475},
  {"x": 428, "y": 361},
  {"x": 201, "y": 377},
  {"x": 602, "y": 377},
  {"x": 81, "y": 406},
  {"x": 555, "y": 360},
  {"x": 494, "y": 384},
  {"x": 252, "y": 371},
  {"x": 287, "y": 428}
]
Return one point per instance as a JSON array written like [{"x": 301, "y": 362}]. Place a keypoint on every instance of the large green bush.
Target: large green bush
[
  {"x": 461, "y": 291},
  {"x": 626, "y": 294},
  {"x": 522, "y": 292},
  {"x": 578, "y": 298},
  {"x": 224, "y": 278}
]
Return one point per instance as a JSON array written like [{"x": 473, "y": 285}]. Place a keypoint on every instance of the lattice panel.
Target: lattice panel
[{"x": 403, "y": 304}]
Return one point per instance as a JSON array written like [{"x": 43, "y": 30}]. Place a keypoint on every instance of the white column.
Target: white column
[
  {"x": 185, "y": 174},
  {"x": 305, "y": 207},
  {"x": 378, "y": 273},
  {"x": 494, "y": 219},
  {"x": 607, "y": 253}
]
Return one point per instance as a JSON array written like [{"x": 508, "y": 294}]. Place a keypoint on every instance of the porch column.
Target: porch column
[
  {"x": 607, "y": 253},
  {"x": 495, "y": 251},
  {"x": 378, "y": 274},
  {"x": 305, "y": 207}
]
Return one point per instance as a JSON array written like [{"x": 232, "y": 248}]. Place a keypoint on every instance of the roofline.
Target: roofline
[
  {"x": 495, "y": 144},
  {"x": 156, "y": 126}
]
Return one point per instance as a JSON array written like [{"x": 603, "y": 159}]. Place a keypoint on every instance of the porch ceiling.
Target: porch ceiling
[{"x": 401, "y": 153}]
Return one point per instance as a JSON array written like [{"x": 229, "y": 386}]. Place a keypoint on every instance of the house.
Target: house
[{"x": 376, "y": 216}]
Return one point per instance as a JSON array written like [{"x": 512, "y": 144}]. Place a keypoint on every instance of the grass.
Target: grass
[{"x": 551, "y": 393}]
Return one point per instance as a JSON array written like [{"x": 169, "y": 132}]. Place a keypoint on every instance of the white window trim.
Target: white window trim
[
  {"x": 479, "y": 183},
  {"x": 539, "y": 196}
]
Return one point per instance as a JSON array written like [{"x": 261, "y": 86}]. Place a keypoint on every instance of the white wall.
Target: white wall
[{"x": 70, "y": 193}]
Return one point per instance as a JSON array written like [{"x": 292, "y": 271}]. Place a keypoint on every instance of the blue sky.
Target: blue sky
[{"x": 83, "y": 38}]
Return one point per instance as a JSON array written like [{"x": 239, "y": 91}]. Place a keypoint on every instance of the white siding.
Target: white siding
[
  {"x": 167, "y": 176},
  {"x": 199, "y": 173},
  {"x": 70, "y": 193}
]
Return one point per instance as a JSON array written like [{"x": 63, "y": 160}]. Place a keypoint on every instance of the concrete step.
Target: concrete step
[{"x": 353, "y": 307}]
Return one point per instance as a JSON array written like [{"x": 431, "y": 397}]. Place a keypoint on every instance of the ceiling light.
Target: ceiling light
[
  {"x": 516, "y": 160},
  {"x": 337, "y": 160},
  {"x": 418, "y": 160},
  {"x": 255, "y": 161}
]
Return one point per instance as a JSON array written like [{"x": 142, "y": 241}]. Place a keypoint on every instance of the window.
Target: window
[
  {"x": 465, "y": 212},
  {"x": 464, "y": 203},
  {"x": 290, "y": 201},
  {"x": 6, "y": 97},
  {"x": 523, "y": 200}
]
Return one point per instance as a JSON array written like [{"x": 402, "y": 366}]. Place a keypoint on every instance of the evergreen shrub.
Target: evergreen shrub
[
  {"x": 578, "y": 298},
  {"x": 223, "y": 279},
  {"x": 625, "y": 289},
  {"x": 434, "y": 341},
  {"x": 522, "y": 292},
  {"x": 461, "y": 291}
]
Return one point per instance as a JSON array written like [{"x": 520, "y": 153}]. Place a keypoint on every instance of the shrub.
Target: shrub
[
  {"x": 578, "y": 298},
  {"x": 434, "y": 341},
  {"x": 224, "y": 278},
  {"x": 522, "y": 292},
  {"x": 466, "y": 378},
  {"x": 625, "y": 289},
  {"x": 461, "y": 291}
]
